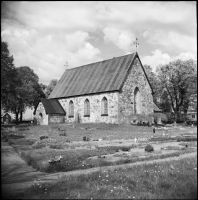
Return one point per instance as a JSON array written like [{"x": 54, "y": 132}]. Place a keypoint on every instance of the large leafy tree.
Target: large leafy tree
[
  {"x": 154, "y": 81},
  {"x": 50, "y": 87},
  {"x": 177, "y": 84},
  {"x": 29, "y": 91},
  {"x": 8, "y": 74}
]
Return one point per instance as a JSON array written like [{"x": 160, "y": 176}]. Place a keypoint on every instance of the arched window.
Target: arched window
[
  {"x": 86, "y": 108},
  {"x": 104, "y": 106},
  {"x": 71, "y": 109},
  {"x": 137, "y": 101}
]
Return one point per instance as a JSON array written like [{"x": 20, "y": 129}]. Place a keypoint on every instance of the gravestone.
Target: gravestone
[
  {"x": 152, "y": 120},
  {"x": 159, "y": 120}
]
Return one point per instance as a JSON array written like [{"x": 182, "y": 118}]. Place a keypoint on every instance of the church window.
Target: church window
[
  {"x": 71, "y": 109},
  {"x": 87, "y": 108},
  {"x": 104, "y": 107},
  {"x": 137, "y": 101}
]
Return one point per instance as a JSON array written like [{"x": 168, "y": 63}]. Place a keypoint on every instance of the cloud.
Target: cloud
[
  {"x": 156, "y": 59},
  {"x": 171, "y": 40},
  {"x": 159, "y": 58},
  {"x": 122, "y": 38},
  {"x": 47, "y": 54},
  {"x": 45, "y": 35},
  {"x": 186, "y": 56}
]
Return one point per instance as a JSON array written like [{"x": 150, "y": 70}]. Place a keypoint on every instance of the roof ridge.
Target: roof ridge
[{"x": 100, "y": 61}]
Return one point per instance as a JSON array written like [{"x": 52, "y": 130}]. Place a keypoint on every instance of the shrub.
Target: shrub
[
  {"x": 125, "y": 148},
  {"x": 139, "y": 119},
  {"x": 56, "y": 146},
  {"x": 163, "y": 117},
  {"x": 86, "y": 138},
  {"x": 149, "y": 148},
  {"x": 43, "y": 137},
  {"x": 190, "y": 122},
  {"x": 187, "y": 139}
]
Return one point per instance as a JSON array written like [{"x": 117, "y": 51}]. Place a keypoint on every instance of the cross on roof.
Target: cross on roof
[
  {"x": 66, "y": 65},
  {"x": 136, "y": 44}
]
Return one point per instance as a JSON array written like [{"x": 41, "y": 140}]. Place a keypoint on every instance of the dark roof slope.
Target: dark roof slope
[
  {"x": 52, "y": 106},
  {"x": 104, "y": 76}
]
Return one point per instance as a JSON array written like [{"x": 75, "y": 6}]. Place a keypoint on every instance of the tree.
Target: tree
[
  {"x": 19, "y": 86},
  {"x": 26, "y": 94},
  {"x": 153, "y": 79},
  {"x": 50, "y": 87},
  {"x": 177, "y": 81},
  {"x": 29, "y": 92},
  {"x": 43, "y": 87},
  {"x": 8, "y": 73}
]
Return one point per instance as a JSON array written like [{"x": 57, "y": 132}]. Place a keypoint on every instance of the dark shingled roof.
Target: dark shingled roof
[
  {"x": 103, "y": 76},
  {"x": 52, "y": 106}
]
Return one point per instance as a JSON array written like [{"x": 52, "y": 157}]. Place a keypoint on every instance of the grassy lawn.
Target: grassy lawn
[
  {"x": 75, "y": 151},
  {"x": 169, "y": 180},
  {"x": 96, "y": 131}
]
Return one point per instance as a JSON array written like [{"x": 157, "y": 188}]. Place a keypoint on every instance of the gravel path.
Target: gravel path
[{"x": 16, "y": 175}]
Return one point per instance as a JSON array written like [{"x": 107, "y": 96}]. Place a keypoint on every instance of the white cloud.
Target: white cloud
[
  {"x": 186, "y": 56},
  {"x": 159, "y": 58},
  {"x": 47, "y": 54},
  {"x": 46, "y": 34},
  {"x": 171, "y": 40},
  {"x": 156, "y": 59},
  {"x": 122, "y": 38}
]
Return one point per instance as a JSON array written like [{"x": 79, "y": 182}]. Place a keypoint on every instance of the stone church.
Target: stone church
[{"x": 106, "y": 91}]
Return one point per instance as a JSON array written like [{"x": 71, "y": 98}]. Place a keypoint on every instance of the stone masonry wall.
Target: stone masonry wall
[
  {"x": 95, "y": 108},
  {"x": 56, "y": 119},
  {"x": 44, "y": 119},
  {"x": 136, "y": 78}
]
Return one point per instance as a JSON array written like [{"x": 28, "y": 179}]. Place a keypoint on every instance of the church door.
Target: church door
[{"x": 137, "y": 101}]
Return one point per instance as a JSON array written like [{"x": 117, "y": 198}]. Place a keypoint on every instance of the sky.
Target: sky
[{"x": 45, "y": 35}]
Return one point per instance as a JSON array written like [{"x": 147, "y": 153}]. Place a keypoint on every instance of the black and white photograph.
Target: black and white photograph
[{"x": 99, "y": 100}]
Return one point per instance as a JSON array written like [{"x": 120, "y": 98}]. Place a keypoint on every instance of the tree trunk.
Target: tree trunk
[
  {"x": 21, "y": 116},
  {"x": 177, "y": 114},
  {"x": 17, "y": 117}
]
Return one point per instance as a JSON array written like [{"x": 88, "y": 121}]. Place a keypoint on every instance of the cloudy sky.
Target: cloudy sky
[{"x": 45, "y": 35}]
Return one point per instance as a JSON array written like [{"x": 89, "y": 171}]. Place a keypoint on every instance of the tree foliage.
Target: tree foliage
[
  {"x": 177, "y": 84},
  {"x": 27, "y": 92},
  {"x": 19, "y": 86},
  {"x": 50, "y": 87},
  {"x": 8, "y": 71},
  {"x": 154, "y": 81}
]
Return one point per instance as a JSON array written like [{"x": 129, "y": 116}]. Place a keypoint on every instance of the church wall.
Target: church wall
[
  {"x": 56, "y": 119},
  {"x": 95, "y": 108},
  {"x": 44, "y": 119},
  {"x": 136, "y": 78}
]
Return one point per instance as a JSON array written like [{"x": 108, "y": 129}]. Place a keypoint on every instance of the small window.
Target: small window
[
  {"x": 104, "y": 107},
  {"x": 86, "y": 108},
  {"x": 193, "y": 116},
  {"x": 71, "y": 109}
]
